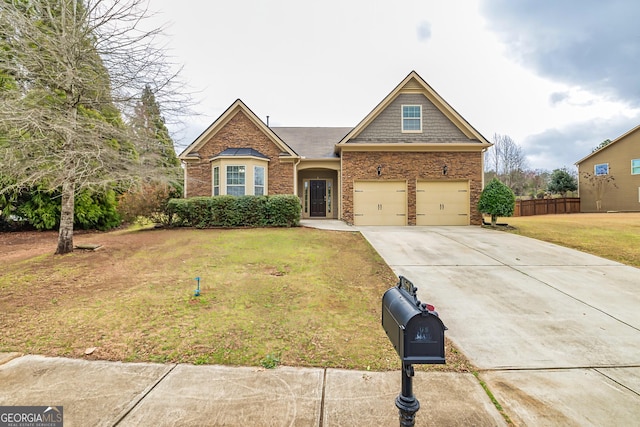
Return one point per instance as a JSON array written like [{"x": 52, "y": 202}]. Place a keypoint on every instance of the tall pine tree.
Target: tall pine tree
[{"x": 148, "y": 123}]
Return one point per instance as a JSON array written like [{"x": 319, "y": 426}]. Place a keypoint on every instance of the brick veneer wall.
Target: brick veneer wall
[
  {"x": 411, "y": 167},
  {"x": 239, "y": 132}
]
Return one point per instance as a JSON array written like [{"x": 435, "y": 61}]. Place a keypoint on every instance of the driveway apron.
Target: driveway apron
[{"x": 554, "y": 331}]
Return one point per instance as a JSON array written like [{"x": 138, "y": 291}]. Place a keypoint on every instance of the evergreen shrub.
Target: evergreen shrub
[{"x": 235, "y": 211}]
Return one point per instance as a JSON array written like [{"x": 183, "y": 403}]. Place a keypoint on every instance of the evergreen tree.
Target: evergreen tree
[
  {"x": 497, "y": 200},
  {"x": 561, "y": 181},
  {"x": 73, "y": 62},
  {"x": 148, "y": 122}
]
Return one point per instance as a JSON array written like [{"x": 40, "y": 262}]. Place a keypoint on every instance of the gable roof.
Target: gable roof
[
  {"x": 621, "y": 137},
  {"x": 312, "y": 142},
  {"x": 238, "y": 106},
  {"x": 413, "y": 83}
]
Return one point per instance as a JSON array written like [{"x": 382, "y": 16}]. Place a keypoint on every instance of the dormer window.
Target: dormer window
[{"x": 412, "y": 118}]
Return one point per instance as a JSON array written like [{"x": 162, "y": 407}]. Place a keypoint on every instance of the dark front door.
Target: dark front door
[{"x": 318, "y": 198}]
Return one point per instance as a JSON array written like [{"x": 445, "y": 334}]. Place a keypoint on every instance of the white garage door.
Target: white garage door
[
  {"x": 442, "y": 203},
  {"x": 380, "y": 203}
]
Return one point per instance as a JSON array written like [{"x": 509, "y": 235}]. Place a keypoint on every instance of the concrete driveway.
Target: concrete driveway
[{"x": 555, "y": 332}]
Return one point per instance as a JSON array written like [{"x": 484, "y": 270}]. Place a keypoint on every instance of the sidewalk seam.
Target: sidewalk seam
[
  {"x": 144, "y": 394},
  {"x": 616, "y": 381},
  {"x": 324, "y": 387}
]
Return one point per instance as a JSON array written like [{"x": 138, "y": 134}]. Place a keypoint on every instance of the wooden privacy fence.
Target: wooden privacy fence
[{"x": 547, "y": 206}]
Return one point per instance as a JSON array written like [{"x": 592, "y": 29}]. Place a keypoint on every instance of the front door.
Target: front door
[{"x": 318, "y": 198}]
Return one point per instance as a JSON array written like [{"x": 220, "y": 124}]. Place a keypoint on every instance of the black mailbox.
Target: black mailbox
[{"x": 416, "y": 332}]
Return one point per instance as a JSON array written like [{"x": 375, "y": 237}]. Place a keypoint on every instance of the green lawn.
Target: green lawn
[{"x": 298, "y": 296}]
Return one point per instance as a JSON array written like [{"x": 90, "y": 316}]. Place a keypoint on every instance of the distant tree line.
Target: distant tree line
[{"x": 506, "y": 162}]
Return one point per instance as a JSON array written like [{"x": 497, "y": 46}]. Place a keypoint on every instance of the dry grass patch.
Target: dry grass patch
[
  {"x": 299, "y": 297},
  {"x": 614, "y": 236}
]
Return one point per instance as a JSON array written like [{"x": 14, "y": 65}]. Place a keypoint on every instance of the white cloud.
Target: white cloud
[{"x": 329, "y": 64}]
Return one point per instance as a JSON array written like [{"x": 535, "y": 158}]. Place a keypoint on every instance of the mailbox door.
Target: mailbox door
[
  {"x": 424, "y": 340},
  {"x": 392, "y": 328}
]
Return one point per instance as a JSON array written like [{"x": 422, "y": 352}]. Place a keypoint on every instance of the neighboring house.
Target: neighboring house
[
  {"x": 412, "y": 161},
  {"x": 609, "y": 178}
]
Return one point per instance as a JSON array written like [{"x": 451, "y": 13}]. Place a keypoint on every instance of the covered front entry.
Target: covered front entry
[
  {"x": 442, "y": 203},
  {"x": 380, "y": 203},
  {"x": 318, "y": 193}
]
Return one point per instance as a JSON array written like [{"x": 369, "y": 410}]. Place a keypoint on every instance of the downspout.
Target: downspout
[
  {"x": 482, "y": 158},
  {"x": 184, "y": 171},
  {"x": 295, "y": 176},
  {"x": 340, "y": 188}
]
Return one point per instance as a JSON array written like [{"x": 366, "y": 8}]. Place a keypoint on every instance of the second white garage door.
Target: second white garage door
[
  {"x": 442, "y": 203},
  {"x": 380, "y": 203}
]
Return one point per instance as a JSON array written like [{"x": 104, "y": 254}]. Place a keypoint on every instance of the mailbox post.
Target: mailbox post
[{"x": 417, "y": 334}]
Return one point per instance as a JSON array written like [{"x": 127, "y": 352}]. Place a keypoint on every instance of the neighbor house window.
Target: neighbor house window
[
  {"x": 411, "y": 118},
  {"x": 216, "y": 181},
  {"x": 258, "y": 180},
  {"x": 601, "y": 169},
  {"x": 235, "y": 180},
  {"x": 635, "y": 167}
]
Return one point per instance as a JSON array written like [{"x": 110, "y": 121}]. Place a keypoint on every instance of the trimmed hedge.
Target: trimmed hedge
[{"x": 235, "y": 211}]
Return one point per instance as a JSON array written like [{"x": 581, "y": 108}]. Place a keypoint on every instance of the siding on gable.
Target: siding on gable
[
  {"x": 387, "y": 127},
  {"x": 625, "y": 195}
]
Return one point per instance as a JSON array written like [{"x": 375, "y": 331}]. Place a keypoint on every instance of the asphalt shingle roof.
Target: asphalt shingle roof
[
  {"x": 312, "y": 143},
  {"x": 241, "y": 152}
]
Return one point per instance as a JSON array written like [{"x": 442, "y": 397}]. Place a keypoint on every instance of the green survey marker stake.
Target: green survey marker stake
[{"x": 197, "y": 291}]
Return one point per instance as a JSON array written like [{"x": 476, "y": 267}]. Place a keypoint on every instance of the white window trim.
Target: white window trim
[
  {"x": 226, "y": 177},
  {"x": 638, "y": 167},
  {"x": 249, "y": 164},
  {"x": 402, "y": 118},
  {"x": 595, "y": 169},
  {"x": 215, "y": 187},
  {"x": 264, "y": 179}
]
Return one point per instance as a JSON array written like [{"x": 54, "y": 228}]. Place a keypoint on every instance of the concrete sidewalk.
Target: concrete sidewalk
[{"x": 99, "y": 393}]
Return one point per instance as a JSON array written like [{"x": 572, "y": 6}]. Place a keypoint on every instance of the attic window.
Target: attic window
[
  {"x": 412, "y": 118},
  {"x": 635, "y": 167},
  {"x": 601, "y": 169}
]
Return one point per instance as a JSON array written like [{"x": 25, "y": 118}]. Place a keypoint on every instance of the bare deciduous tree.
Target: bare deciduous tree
[
  {"x": 599, "y": 185},
  {"x": 507, "y": 160},
  {"x": 74, "y": 68}
]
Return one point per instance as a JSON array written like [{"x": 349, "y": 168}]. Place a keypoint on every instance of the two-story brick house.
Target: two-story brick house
[{"x": 413, "y": 160}]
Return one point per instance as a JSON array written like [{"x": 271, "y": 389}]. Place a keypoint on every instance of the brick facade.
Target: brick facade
[
  {"x": 445, "y": 139},
  {"x": 411, "y": 167},
  {"x": 239, "y": 132}
]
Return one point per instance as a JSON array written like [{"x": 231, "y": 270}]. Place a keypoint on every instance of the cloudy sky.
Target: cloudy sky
[{"x": 558, "y": 77}]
